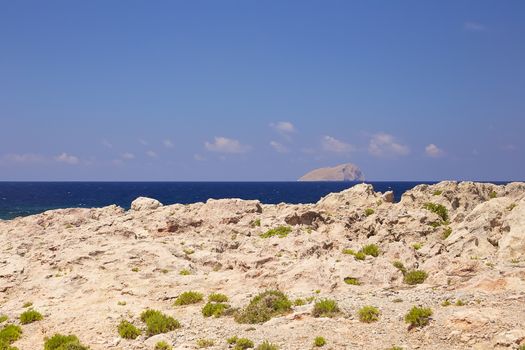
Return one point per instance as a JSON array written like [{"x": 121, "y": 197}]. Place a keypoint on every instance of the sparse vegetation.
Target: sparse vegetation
[
  {"x": 319, "y": 342},
  {"x": 30, "y": 316},
  {"x": 64, "y": 342},
  {"x": 266, "y": 345},
  {"x": 162, "y": 345},
  {"x": 214, "y": 309},
  {"x": 157, "y": 322},
  {"x": 399, "y": 265},
  {"x": 3, "y": 318},
  {"x": 369, "y": 211},
  {"x": 240, "y": 343},
  {"x": 184, "y": 272},
  {"x": 368, "y": 314},
  {"x": 370, "y": 249},
  {"x": 135, "y": 269},
  {"x": 360, "y": 255},
  {"x": 121, "y": 303},
  {"x": 417, "y": 246},
  {"x": 188, "y": 251},
  {"x": 127, "y": 330},
  {"x": 8, "y": 335},
  {"x": 447, "y": 232},
  {"x": 325, "y": 308},
  {"x": 205, "y": 343},
  {"x": 437, "y": 193},
  {"x": 256, "y": 223},
  {"x": 437, "y": 209},
  {"x": 395, "y": 348},
  {"x": 460, "y": 302},
  {"x": 418, "y": 316},
  {"x": 299, "y": 302},
  {"x": 510, "y": 207},
  {"x": 263, "y": 307},
  {"x": 188, "y": 298},
  {"x": 446, "y": 303},
  {"x": 493, "y": 194},
  {"x": 352, "y": 280},
  {"x": 281, "y": 232},
  {"x": 415, "y": 277},
  {"x": 27, "y": 304},
  {"x": 348, "y": 251},
  {"x": 217, "y": 298}
]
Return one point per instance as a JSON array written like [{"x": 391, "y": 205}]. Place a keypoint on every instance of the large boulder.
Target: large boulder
[{"x": 144, "y": 203}]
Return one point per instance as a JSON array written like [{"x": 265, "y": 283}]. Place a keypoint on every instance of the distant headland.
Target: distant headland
[{"x": 342, "y": 172}]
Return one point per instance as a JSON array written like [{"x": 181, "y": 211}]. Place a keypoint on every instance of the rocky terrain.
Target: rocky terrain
[
  {"x": 343, "y": 172},
  {"x": 87, "y": 270}
]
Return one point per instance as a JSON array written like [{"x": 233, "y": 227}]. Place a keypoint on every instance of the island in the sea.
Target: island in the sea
[{"x": 342, "y": 172}]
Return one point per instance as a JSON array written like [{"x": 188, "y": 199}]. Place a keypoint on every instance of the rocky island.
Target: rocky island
[
  {"x": 343, "y": 172},
  {"x": 442, "y": 269}
]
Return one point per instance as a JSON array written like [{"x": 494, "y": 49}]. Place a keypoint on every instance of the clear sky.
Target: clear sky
[{"x": 261, "y": 90}]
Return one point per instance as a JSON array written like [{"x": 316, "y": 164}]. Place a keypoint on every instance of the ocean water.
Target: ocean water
[{"x": 26, "y": 198}]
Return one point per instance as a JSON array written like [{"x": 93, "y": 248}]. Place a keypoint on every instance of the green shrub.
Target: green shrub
[
  {"x": 348, "y": 251},
  {"x": 435, "y": 224},
  {"x": 263, "y": 307},
  {"x": 395, "y": 348},
  {"x": 360, "y": 255},
  {"x": 369, "y": 211},
  {"x": 446, "y": 303},
  {"x": 64, "y": 342},
  {"x": 27, "y": 304},
  {"x": 319, "y": 341},
  {"x": 3, "y": 318},
  {"x": 135, "y": 269},
  {"x": 265, "y": 345},
  {"x": 30, "y": 316},
  {"x": 415, "y": 277},
  {"x": 127, "y": 330},
  {"x": 437, "y": 209},
  {"x": 256, "y": 223},
  {"x": 352, "y": 280},
  {"x": 460, "y": 302},
  {"x": 325, "y": 308},
  {"x": 281, "y": 232},
  {"x": 447, "y": 232},
  {"x": 371, "y": 249},
  {"x": 510, "y": 207},
  {"x": 217, "y": 298},
  {"x": 437, "y": 193},
  {"x": 240, "y": 343},
  {"x": 399, "y": 265},
  {"x": 493, "y": 194},
  {"x": 157, "y": 322},
  {"x": 368, "y": 314},
  {"x": 184, "y": 272},
  {"x": 188, "y": 298},
  {"x": 418, "y": 316},
  {"x": 162, "y": 345},
  {"x": 299, "y": 302},
  {"x": 188, "y": 251},
  {"x": 10, "y": 333},
  {"x": 417, "y": 246},
  {"x": 214, "y": 309},
  {"x": 205, "y": 343}
]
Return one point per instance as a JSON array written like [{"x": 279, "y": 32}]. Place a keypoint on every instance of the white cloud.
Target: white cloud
[
  {"x": 106, "y": 143},
  {"x": 226, "y": 145},
  {"x": 474, "y": 27},
  {"x": 152, "y": 154},
  {"x": 331, "y": 144},
  {"x": 168, "y": 144},
  {"x": 67, "y": 158},
  {"x": 278, "y": 147},
  {"x": 283, "y": 127},
  {"x": 382, "y": 144},
  {"x": 24, "y": 158},
  {"x": 128, "y": 156},
  {"x": 433, "y": 151}
]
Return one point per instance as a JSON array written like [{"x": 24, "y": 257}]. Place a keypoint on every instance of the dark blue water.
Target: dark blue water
[{"x": 26, "y": 198}]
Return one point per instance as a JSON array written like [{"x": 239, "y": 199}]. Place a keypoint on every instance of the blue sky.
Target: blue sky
[{"x": 261, "y": 90}]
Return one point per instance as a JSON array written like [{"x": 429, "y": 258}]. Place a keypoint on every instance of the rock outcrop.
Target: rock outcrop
[
  {"x": 86, "y": 270},
  {"x": 343, "y": 172}
]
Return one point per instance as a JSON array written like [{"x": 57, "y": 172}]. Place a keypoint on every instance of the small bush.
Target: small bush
[
  {"x": 368, "y": 314},
  {"x": 510, "y": 207},
  {"x": 437, "y": 193},
  {"x": 157, "y": 322},
  {"x": 417, "y": 246},
  {"x": 369, "y": 211},
  {"x": 217, "y": 298},
  {"x": 162, "y": 345},
  {"x": 319, "y": 341},
  {"x": 188, "y": 251},
  {"x": 10, "y": 334},
  {"x": 64, "y": 342},
  {"x": 460, "y": 302},
  {"x": 27, "y": 304},
  {"x": 415, "y": 277},
  {"x": 437, "y": 209},
  {"x": 263, "y": 307},
  {"x": 240, "y": 343},
  {"x": 184, "y": 272},
  {"x": 435, "y": 224},
  {"x": 447, "y": 232},
  {"x": 121, "y": 303},
  {"x": 493, "y": 194},
  {"x": 348, "y": 251},
  {"x": 446, "y": 303},
  {"x": 352, "y": 280},
  {"x": 205, "y": 343},
  {"x": 395, "y": 348},
  {"x": 371, "y": 249},
  {"x": 256, "y": 223},
  {"x": 214, "y": 309},
  {"x": 265, "y": 345},
  {"x": 188, "y": 298},
  {"x": 418, "y": 316},
  {"x": 299, "y": 302},
  {"x": 3, "y": 318},
  {"x": 135, "y": 269},
  {"x": 360, "y": 255},
  {"x": 127, "y": 330},
  {"x": 281, "y": 232},
  {"x": 30, "y": 316},
  {"x": 399, "y": 265},
  {"x": 325, "y": 308}
]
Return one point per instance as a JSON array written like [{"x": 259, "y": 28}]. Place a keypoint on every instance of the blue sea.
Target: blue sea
[{"x": 26, "y": 198}]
